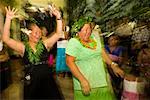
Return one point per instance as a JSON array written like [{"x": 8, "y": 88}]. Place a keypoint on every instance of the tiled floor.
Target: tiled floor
[
  {"x": 15, "y": 90},
  {"x": 66, "y": 87}
]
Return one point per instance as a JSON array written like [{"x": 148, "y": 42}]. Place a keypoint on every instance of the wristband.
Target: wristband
[
  {"x": 59, "y": 18},
  {"x": 113, "y": 63}
]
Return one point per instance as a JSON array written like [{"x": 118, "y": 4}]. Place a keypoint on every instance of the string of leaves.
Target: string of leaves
[{"x": 34, "y": 57}]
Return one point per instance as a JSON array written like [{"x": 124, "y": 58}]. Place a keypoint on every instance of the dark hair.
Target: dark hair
[
  {"x": 144, "y": 46},
  {"x": 114, "y": 35},
  {"x": 30, "y": 22}
]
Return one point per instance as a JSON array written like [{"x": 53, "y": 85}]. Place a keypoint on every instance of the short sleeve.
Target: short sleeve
[
  {"x": 98, "y": 38},
  {"x": 73, "y": 47}
]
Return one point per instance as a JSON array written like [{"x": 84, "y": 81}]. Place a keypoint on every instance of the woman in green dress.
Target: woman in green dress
[{"x": 85, "y": 58}]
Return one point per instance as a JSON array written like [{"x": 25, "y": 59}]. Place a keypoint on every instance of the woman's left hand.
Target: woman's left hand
[
  {"x": 117, "y": 71},
  {"x": 56, "y": 12}
]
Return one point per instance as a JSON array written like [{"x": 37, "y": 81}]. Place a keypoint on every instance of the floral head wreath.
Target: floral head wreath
[{"x": 79, "y": 24}]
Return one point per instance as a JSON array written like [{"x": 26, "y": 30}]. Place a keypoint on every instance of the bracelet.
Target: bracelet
[
  {"x": 59, "y": 18},
  {"x": 113, "y": 63}
]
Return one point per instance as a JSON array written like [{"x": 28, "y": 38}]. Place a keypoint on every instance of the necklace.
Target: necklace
[
  {"x": 34, "y": 57},
  {"x": 92, "y": 44}
]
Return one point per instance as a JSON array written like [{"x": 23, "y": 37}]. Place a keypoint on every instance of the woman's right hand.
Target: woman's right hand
[
  {"x": 117, "y": 71},
  {"x": 10, "y": 13},
  {"x": 54, "y": 11},
  {"x": 85, "y": 86}
]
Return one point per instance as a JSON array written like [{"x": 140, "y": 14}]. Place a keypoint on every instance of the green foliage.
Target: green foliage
[
  {"x": 75, "y": 9},
  {"x": 11, "y": 3},
  {"x": 24, "y": 37},
  {"x": 110, "y": 10},
  {"x": 79, "y": 24},
  {"x": 134, "y": 9},
  {"x": 34, "y": 57}
]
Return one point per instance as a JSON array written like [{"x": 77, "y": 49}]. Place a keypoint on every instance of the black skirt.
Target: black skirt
[{"x": 42, "y": 85}]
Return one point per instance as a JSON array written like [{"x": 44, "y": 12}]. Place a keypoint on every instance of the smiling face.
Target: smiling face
[
  {"x": 35, "y": 35},
  {"x": 85, "y": 32}
]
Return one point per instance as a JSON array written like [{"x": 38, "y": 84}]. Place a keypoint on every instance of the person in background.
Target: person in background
[
  {"x": 113, "y": 48},
  {"x": 61, "y": 67},
  {"x": 85, "y": 56},
  {"x": 38, "y": 82},
  {"x": 115, "y": 52},
  {"x": 143, "y": 61},
  {"x": 144, "y": 56}
]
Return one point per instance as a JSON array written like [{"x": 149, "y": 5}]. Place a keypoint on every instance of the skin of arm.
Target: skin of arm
[
  {"x": 117, "y": 71},
  {"x": 106, "y": 57},
  {"x": 13, "y": 44},
  {"x": 70, "y": 61}
]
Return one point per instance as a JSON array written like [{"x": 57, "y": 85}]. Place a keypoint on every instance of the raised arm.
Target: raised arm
[
  {"x": 58, "y": 33},
  {"x": 117, "y": 71},
  {"x": 15, "y": 45}
]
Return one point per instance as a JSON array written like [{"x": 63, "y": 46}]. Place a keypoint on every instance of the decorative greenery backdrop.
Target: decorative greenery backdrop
[{"x": 106, "y": 10}]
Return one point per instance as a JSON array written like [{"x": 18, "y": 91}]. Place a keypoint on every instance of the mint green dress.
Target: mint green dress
[{"x": 91, "y": 65}]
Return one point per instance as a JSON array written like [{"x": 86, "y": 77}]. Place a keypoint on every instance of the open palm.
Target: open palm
[
  {"x": 56, "y": 12},
  {"x": 10, "y": 13}
]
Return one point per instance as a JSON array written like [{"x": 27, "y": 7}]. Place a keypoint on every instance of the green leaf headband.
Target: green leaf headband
[{"x": 79, "y": 24}]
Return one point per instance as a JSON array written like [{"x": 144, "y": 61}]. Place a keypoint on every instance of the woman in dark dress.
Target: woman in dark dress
[{"x": 39, "y": 83}]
